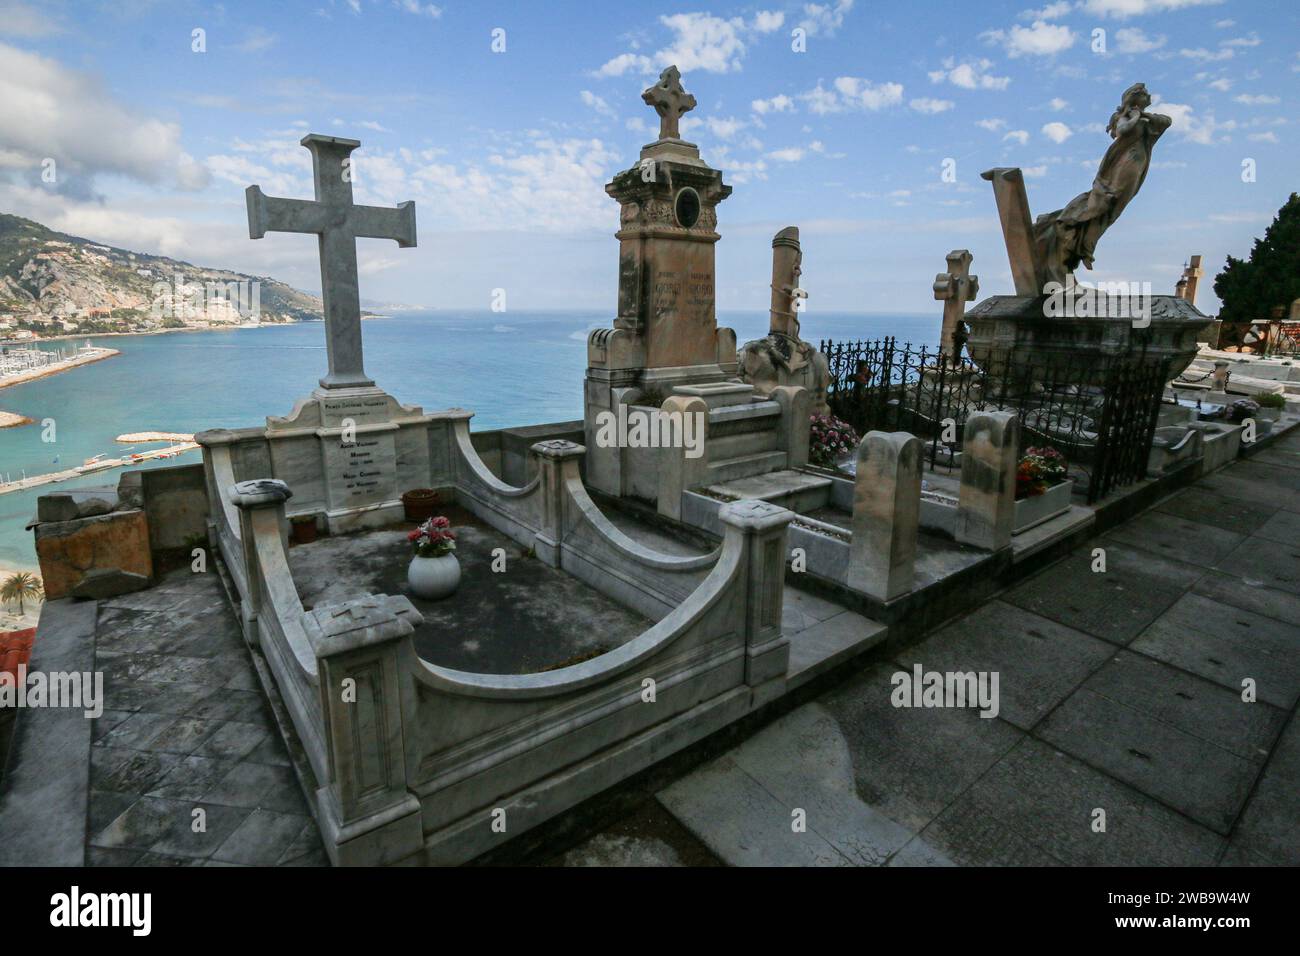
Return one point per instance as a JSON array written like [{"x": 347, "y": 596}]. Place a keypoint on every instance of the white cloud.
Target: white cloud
[
  {"x": 776, "y": 104},
  {"x": 1208, "y": 56},
  {"x": 704, "y": 42},
  {"x": 256, "y": 40},
  {"x": 857, "y": 93},
  {"x": 992, "y": 125},
  {"x": 700, "y": 41},
  {"x": 50, "y": 111},
  {"x": 597, "y": 103},
  {"x": 1134, "y": 40},
  {"x": 1053, "y": 11},
  {"x": 419, "y": 9},
  {"x": 1204, "y": 131},
  {"x": 1034, "y": 172},
  {"x": 971, "y": 75},
  {"x": 1057, "y": 132},
  {"x": 1221, "y": 84},
  {"x": 1039, "y": 39},
  {"x": 1123, "y": 9},
  {"x": 1266, "y": 137},
  {"x": 791, "y": 154},
  {"x": 1056, "y": 104},
  {"x": 1017, "y": 136},
  {"x": 20, "y": 20},
  {"x": 1243, "y": 42},
  {"x": 824, "y": 19},
  {"x": 1256, "y": 99},
  {"x": 1224, "y": 24},
  {"x": 627, "y": 63},
  {"x": 925, "y": 104}
]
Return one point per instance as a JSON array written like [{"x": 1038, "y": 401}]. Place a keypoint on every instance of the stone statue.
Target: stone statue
[
  {"x": 670, "y": 101},
  {"x": 1068, "y": 236},
  {"x": 782, "y": 358}
]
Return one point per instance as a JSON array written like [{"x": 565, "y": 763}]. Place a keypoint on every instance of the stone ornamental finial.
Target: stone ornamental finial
[{"x": 670, "y": 101}]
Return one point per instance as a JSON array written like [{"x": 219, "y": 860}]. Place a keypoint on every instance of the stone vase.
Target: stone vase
[{"x": 433, "y": 578}]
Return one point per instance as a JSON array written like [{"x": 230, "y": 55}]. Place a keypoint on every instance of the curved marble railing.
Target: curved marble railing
[{"x": 411, "y": 756}]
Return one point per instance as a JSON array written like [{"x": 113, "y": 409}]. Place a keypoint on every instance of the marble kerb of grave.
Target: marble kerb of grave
[{"x": 782, "y": 357}]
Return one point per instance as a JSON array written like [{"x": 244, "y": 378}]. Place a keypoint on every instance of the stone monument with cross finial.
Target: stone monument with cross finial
[
  {"x": 350, "y": 447},
  {"x": 665, "y": 333},
  {"x": 954, "y": 289}
]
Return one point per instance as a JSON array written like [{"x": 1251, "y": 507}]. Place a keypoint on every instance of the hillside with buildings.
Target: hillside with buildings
[{"x": 52, "y": 284}]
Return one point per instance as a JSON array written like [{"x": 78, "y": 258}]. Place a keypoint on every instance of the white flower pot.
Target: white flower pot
[
  {"x": 1039, "y": 508},
  {"x": 433, "y": 578}
]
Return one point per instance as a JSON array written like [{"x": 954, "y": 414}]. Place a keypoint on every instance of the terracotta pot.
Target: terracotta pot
[
  {"x": 303, "y": 530},
  {"x": 420, "y": 504},
  {"x": 433, "y": 578}
]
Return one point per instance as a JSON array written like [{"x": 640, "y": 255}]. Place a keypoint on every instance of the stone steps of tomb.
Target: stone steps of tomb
[
  {"x": 743, "y": 445},
  {"x": 744, "y": 466},
  {"x": 796, "y": 490}
]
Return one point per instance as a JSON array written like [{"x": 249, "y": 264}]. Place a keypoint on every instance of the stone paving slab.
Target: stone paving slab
[
  {"x": 1283, "y": 527},
  {"x": 1117, "y": 605},
  {"x": 1037, "y": 807},
  {"x": 1227, "y": 645},
  {"x": 1260, "y": 561},
  {"x": 1181, "y": 539},
  {"x": 1130, "y": 722},
  {"x": 186, "y": 728},
  {"x": 1208, "y": 507},
  {"x": 1038, "y": 660},
  {"x": 911, "y": 763},
  {"x": 1269, "y": 829}
]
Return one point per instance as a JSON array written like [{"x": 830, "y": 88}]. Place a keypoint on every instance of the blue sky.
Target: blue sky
[{"x": 506, "y": 153}]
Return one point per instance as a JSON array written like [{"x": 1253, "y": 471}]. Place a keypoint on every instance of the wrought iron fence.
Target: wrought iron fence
[{"x": 1100, "y": 415}]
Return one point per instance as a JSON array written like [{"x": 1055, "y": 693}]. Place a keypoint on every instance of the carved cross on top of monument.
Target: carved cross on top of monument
[
  {"x": 338, "y": 224},
  {"x": 670, "y": 101},
  {"x": 954, "y": 289}
]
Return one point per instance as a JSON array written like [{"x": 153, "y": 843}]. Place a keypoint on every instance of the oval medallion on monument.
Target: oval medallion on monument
[{"x": 687, "y": 207}]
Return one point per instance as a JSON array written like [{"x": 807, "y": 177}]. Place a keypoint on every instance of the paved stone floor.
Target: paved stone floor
[
  {"x": 1120, "y": 691},
  {"x": 186, "y": 728}
]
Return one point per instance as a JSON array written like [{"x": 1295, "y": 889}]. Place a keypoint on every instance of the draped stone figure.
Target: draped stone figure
[
  {"x": 781, "y": 357},
  {"x": 1068, "y": 236}
]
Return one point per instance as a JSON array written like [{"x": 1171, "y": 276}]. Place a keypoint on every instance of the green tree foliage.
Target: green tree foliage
[{"x": 1251, "y": 288}]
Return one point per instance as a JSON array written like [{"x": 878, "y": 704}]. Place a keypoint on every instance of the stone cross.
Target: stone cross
[
  {"x": 954, "y": 289},
  {"x": 670, "y": 102},
  {"x": 338, "y": 224}
]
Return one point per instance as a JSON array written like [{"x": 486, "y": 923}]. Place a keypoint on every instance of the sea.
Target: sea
[{"x": 509, "y": 368}]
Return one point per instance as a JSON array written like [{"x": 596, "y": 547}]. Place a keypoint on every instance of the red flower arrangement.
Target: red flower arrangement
[
  {"x": 830, "y": 439},
  {"x": 1039, "y": 470},
  {"x": 433, "y": 539}
]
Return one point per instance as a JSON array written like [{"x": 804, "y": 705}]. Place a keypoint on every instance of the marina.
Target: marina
[{"x": 101, "y": 463}]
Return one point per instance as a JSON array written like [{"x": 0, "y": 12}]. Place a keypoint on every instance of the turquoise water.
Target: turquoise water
[{"x": 510, "y": 369}]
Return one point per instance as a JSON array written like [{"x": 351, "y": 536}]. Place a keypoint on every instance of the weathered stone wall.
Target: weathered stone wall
[{"x": 69, "y": 550}]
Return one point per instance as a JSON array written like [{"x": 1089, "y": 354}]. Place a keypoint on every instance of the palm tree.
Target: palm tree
[{"x": 21, "y": 586}]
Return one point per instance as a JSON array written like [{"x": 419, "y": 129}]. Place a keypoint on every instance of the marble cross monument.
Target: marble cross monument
[
  {"x": 338, "y": 223},
  {"x": 954, "y": 289},
  {"x": 349, "y": 449}
]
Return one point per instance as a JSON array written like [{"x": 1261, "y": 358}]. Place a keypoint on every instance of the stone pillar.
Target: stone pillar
[
  {"x": 677, "y": 472},
  {"x": 986, "y": 504},
  {"x": 557, "y": 461},
  {"x": 796, "y": 422},
  {"x": 1220, "y": 375},
  {"x": 363, "y": 650},
  {"x": 763, "y": 526},
  {"x": 886, "y": 515},
  {"x": 249, "y": 497}
]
